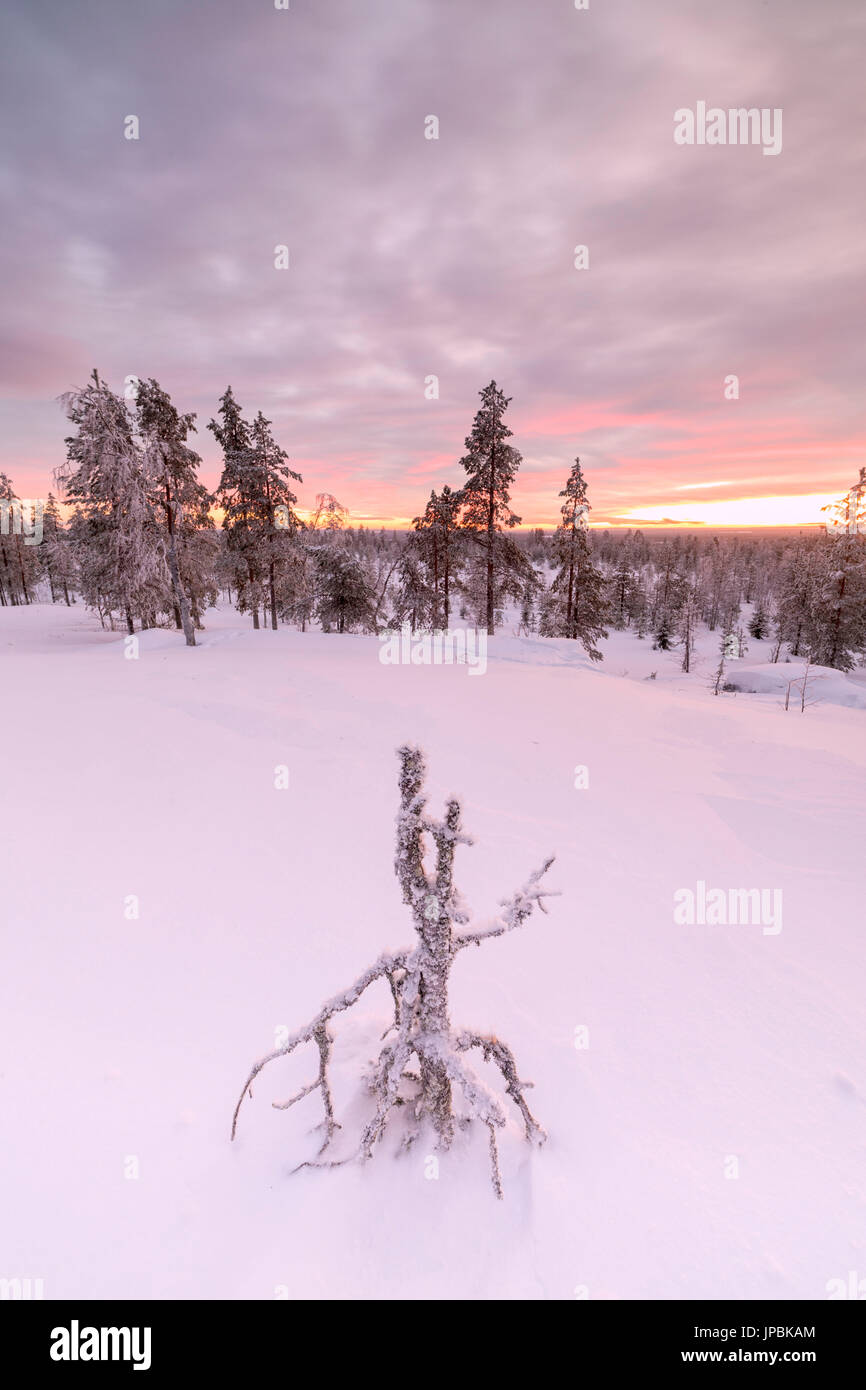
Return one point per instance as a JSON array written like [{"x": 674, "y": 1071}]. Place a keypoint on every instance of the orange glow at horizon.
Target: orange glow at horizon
[
  {"x": 785, "y": 510},
  {"x": 802, "y": 509},
  {"x": 798, "y": 509}
]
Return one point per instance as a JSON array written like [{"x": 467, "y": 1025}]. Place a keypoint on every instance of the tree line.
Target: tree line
[{"x": 141, "y": 547}]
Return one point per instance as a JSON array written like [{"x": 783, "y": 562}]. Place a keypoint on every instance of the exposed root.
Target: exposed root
[
  {"x": 314, "y": 1030},
  {"x": 493, "y": 1049},
  {"x": 329, "y": 1124},
  {"x": 494, "y": 1163}
]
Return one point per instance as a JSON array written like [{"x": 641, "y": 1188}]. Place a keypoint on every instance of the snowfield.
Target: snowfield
[{"x": 709, "y": 1142}]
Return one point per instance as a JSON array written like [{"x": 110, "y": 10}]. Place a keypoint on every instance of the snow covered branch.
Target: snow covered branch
[
  {"x": 418, "y": 979},
  {"x": 316, "y": 1030},
  {"x": 517, "y": 909}
]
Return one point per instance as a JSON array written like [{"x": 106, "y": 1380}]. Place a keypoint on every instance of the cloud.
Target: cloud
[{"x": 452, "y": 257}]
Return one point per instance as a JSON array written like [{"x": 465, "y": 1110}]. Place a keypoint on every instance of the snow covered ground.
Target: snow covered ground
[{"x": 709, "y": 1142}]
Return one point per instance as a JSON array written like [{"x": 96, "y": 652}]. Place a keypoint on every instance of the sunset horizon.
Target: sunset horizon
[
  {"x": 655, "y": 502},
  {"x": 673, "y": 314}
]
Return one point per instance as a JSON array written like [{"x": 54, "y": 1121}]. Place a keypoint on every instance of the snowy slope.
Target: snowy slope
[{"x": 128, "y": 1039}]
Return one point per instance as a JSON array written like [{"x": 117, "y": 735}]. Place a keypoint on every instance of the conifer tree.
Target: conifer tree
[
  {"x": 622, "y": 586},
  {"x": 796, "y": 592},
  {"x": 759, "y": 623},
  {"x": 171, "y": 467},
  {"x": 639, "y": 607},
  {"x": 344, "y": 599},
  {"x": 56, "y": 554},
  {"x": 236, "y": 495},
  {"x": 729, "y": 609},
  {"x": 415, "y": 601},
  {"x": 273, "y": 505},
  {"x": 490, "y": 464},
  {"x": 105, "y": 475},
  {"x": 529, "y": 598},
  {"x": 435, "y": 541},
  {"x": 670, "y": 586},
  {"x": 663, "y": 638},
  {"x": 514, "y": 571},
  {"x": 576, "y": 606},
  {"x": 297, "y": 585},
  {"x": 716, "y": 579},
  {"x": 837, "y": 621}
]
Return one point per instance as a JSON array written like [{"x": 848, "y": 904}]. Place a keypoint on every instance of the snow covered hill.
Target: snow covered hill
[{"x": 167, "y": 909}]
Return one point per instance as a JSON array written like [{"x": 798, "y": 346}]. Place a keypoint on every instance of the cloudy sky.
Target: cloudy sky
[{"x": 413, "y": 257}]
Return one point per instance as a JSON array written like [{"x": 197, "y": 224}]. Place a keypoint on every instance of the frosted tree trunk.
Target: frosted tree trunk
[
  {"x": 273, "y": 594},
  {"x": 491, "y": 534},
  {"x": 418, "y": 979},
  {"x": 181, "y": 601}
]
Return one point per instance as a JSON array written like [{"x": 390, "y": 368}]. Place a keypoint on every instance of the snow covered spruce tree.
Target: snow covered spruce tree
[
  {"x": 260, "y": 520},
  {"x": 759, "y": 623},
  {"x": 623, "y": 585},
  {"x": 836, "y": 627},
  {"x": 663, "y": 637},
  {"x": 575, "y": 605},
  {"x": 490, "y": 464},
  {"x": 434, "y": 542},
  {"x": 56, "y": 554},
  {"x": 171, "y": 467},
  {"x": 114, "y": 532},
  {"x": 235, "y": 495},
  {"x": 422, "y": 1066},
  {"x": 345, "y": 600},
  {"x": 796, "y": 587},
  {"x": 414, "y": 600},
  {"x": 274, "y": 505}
]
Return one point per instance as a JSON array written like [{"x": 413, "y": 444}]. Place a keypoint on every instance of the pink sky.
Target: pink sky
[{"x": 451, "y": 257}]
